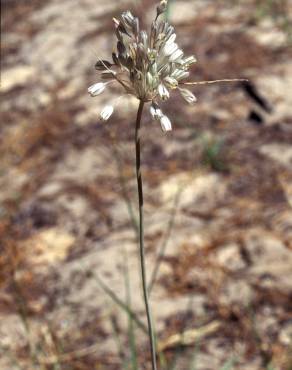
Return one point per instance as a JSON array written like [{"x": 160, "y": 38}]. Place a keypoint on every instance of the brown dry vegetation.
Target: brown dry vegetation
[{"x": 223, "y": 176}]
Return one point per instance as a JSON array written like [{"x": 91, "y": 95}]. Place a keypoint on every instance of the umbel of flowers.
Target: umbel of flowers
[{"x": 147, "y": 65}]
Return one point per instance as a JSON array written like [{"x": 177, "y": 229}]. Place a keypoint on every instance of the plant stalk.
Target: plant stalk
[{"x": 141, "y": 234}]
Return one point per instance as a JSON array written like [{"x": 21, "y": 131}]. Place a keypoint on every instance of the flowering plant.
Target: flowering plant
[{"x": 149, "y": 67}]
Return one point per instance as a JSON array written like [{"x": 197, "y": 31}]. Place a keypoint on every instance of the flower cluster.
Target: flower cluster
[{"x": 147, "y": 66}]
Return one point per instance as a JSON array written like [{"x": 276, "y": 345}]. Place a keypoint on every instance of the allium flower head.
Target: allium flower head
[{"x": 148, "y": 66}]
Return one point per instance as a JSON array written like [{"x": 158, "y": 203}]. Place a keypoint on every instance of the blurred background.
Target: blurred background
[{"x": 218, "y": 193}]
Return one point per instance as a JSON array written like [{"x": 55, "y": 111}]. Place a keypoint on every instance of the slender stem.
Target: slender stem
[
  {"x": 141, "y": 234},
  {"x": 214, "y": 81}
]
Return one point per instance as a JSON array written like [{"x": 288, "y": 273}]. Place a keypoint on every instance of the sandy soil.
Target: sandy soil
[{"x": 218, "y": 191}]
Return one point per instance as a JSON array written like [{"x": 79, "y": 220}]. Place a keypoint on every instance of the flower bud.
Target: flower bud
[
  {"x": 96, "y": 89},
  {"x": 188, "y": 96},
  {"x": 128, "y": 18},
  {"x": 163, "y": 92},
  {"x": 165, "y": 124},
  {"x": 106, "y": 112},
  {"x": 171, "y": 82},
  {"x": 161, "y": 7},
  {"x": 188, "y": 61},
  {"x": 179, "y": 74},
  {"x": 136, "y": 27},
  {"x": 155, "y": 112}
]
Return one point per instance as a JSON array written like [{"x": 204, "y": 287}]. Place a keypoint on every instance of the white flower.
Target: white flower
[
  {"x": 176, "y": 55},
  {"x": 106, "y": 112},
  {"x": 169, "y": 48},
  {"x": 156, "y": 112},
  {"x": 179, "y": 74},
  {"x": 96, "y": 89},
  {"x": 165, "y": 124},
  {"x": 171, "y": 82},
  {"x": 188, "y": 95},
  {"x": 188, "y": 61},
  {"x": 163, "y": 92}
]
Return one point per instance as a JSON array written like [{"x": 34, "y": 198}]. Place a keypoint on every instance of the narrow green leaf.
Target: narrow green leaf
[
  {"x": 120, "y": 303},
  {"x": 131, "y": 324}
]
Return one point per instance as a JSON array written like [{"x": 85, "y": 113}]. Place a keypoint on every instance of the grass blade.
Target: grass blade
[
  {"x": 131, "y": 324},
  {"x": 115, "y": 328},
  {"x": 120, "y": 303}
]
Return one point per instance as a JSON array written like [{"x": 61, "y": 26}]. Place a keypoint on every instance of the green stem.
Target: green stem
[{"x": 141, "y": 234}]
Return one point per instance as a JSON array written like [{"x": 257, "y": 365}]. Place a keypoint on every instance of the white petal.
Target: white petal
[
  {"x": 106, "y": 112},
  {"x": 179, "y": 74},
  {"x": 163, "y": 92},
  {"x": 171, "y": 39},
  {"x": 171, "y": 82},
  {"x": 169, "y": 48},
  {"x": 96, "y": 89},
  {"x": 176, "y": 55},
  {"x": 188, "y": 96},
  {"x": 165, "y": 124}
]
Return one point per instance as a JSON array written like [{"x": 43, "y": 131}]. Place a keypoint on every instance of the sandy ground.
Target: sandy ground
[{"x": 218, "y": 192}]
